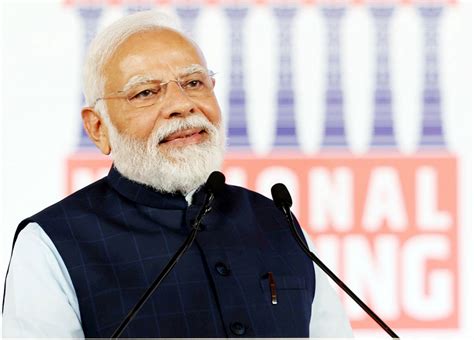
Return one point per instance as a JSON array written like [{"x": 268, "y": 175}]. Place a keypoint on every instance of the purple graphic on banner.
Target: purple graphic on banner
[
  {"x": 90, "y": 17},
  {"x": 432, "y": 125},
  {"x": 334, "y": 129},
  {"x": 285, "y": 123},
  {"x": 382, "y": 133},
  {"x": 133, "y": 8},
  {"x": 188, "y": 16},
  {"x": 237, "y": 120}
]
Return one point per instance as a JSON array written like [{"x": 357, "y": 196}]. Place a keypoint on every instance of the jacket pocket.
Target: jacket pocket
[
  {"x": 282, "y": 282},
  {"x": 280, "y": 288}
]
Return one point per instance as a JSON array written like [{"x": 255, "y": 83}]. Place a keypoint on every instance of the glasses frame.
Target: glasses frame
[{"x": 117, "y": 95}]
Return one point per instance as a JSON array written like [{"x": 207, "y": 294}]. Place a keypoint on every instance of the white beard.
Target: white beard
[{"x": 180, "y": 169}]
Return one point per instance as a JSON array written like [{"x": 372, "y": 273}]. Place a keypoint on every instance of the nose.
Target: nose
[{"x": 176, "y": 102}]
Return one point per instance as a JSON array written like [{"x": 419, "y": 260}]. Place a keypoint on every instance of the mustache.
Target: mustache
[{"x": 180, "y": 124}]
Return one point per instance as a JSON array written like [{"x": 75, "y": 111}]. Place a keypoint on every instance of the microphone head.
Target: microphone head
[
  {"x": 281, "y": 196},
  {"x": 215, "y": 182}
]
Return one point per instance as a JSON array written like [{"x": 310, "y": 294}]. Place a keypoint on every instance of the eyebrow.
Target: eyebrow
[
  {"x": 191, "y": 69},
  {"x": 137, "y": 80},
  {"x": 143, "y": 79}
]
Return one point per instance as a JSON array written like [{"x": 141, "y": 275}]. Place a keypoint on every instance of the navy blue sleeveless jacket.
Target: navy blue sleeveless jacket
[{"x": 115, "y": 236}]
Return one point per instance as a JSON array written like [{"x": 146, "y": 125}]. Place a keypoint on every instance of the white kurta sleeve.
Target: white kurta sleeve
[
  {"x": 328, "y": 317},
  {"x": 40, "y": 300}
]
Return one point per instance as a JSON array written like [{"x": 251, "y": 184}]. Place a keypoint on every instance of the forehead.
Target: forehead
[{"x": 159, "y": 54}]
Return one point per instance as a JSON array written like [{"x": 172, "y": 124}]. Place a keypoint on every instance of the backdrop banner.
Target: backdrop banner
[{"x": 362, "y": 108}]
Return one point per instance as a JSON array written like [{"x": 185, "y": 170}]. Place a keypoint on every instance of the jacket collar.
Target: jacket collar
[{"x": 145, "y": 195}]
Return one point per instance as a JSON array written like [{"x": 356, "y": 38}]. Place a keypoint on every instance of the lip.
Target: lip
[{"x": 184, "y": 137}]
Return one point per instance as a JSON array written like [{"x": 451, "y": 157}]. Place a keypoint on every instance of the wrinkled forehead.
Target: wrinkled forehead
[{"x": 158, "y": 53}]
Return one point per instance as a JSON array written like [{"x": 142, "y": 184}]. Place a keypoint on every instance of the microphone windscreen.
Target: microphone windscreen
[
  {"x": 215, "y": 182},
  {"x": 281, "y": 196}
]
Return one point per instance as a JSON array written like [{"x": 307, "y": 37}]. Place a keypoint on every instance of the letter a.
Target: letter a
[{"x": 384, "y": 201}]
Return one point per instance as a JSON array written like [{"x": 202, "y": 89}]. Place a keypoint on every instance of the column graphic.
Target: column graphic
[
  {"x": 382, "y": 133},
  {"x": 285, "y": 124},
  {"x": 334, "y": 129},
  {"x": 90, "y": 17},
  {"x": 237, "y": 121},
  {"x": 188, "y": 16},
  {"x": 432, "y": 125}
]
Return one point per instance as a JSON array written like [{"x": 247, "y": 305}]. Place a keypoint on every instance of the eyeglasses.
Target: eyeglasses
[{"x": 195, "y": 85}]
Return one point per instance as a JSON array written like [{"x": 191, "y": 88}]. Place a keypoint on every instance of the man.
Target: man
[{"x": 79, "y": 266}]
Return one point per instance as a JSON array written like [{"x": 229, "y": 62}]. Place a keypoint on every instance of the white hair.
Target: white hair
[{"x": 107, "y": 41}]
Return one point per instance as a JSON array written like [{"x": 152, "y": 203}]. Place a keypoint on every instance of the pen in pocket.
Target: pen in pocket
[{"x": 272, "y": 284}]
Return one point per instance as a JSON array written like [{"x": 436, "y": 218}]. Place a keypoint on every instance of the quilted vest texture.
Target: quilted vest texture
[{"x": 116, "y": 235}]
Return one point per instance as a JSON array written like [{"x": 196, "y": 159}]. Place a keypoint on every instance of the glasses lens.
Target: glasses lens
[
  {"x": 145, "y": 94},
  {"x": 198, "y": 84}
]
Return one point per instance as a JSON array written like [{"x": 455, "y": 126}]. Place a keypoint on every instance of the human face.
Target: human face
[{"x": 162, "y": 55}]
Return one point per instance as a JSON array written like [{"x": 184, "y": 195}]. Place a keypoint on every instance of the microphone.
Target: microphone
[
  {"x": 214, "y": 184},
  {"x": 282, "y": 199}
]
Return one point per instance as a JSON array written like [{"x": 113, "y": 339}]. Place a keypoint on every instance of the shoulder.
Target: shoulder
[
  {"x": 80, "y": 199},
  {"x": 240, "y": 201},
  {"x": 257, "y": 200},
  {"x": 57, "y": 215},
  {"x": 33, "y": 240},
  {"x": 35, "y": 250}
]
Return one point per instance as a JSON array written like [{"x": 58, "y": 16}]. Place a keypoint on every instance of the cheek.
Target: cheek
[
  {"x": 138, "y": 125},
  {"x": 212, "y": 111},
  {"x": 141, "y": 128}
]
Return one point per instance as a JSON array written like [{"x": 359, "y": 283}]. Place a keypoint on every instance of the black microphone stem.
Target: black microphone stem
[
  {"x": 174, "y": 260},
  {"x": 341, "y": 284}
]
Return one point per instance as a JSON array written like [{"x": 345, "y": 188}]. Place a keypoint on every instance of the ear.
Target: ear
[{"x": 96, "y": 129}]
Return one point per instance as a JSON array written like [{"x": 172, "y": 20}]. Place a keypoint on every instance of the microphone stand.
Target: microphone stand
[
  {"x": 375, "y": 317},
  {"x": 174, "y": 260}
]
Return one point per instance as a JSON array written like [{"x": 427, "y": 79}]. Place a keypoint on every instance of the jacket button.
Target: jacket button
[
  {"x": 222, "y": 269},
  {"x": 237, "y": 328}
]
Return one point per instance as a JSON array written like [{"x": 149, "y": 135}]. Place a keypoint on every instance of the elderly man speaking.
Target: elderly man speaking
[{"x": 80, "y": 265}]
